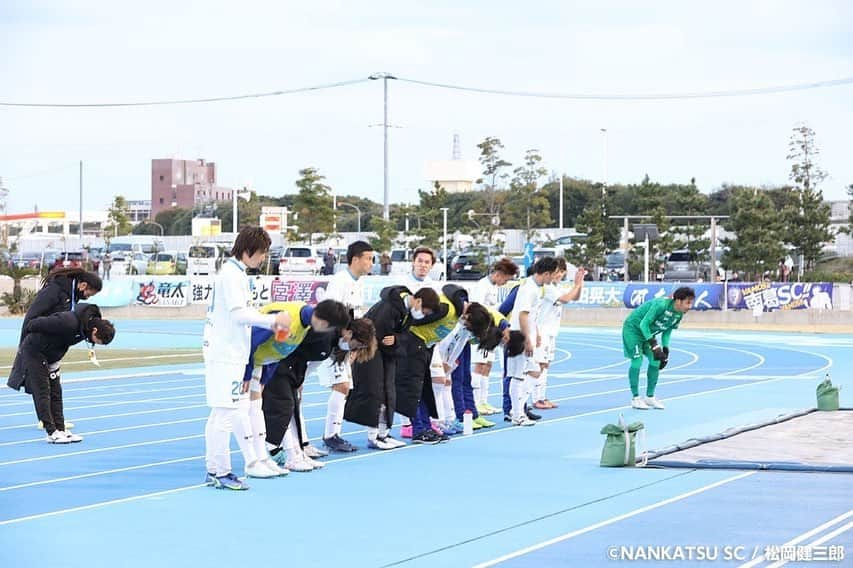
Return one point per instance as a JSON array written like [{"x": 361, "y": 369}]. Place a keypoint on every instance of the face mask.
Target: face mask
[
  {"x": 416, "y": 314},
  {"x": 343, "y": 345}
]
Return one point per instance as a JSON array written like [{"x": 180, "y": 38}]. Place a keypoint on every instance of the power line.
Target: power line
[
  {"x": 189, "y": 101},
  {"x": 531, "y": 94},
  {"x": 638, "y": 96}
]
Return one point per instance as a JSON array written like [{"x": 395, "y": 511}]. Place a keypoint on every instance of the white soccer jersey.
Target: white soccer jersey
[
  {"x": 348, "y": 290},
  {"x": 549, "y": 311},
  {"x": 450, "y": 348},
  {"x": 225, "y": 340},
  {"x": 484, "y": 292},
  {"x": 526, "y": 300}
]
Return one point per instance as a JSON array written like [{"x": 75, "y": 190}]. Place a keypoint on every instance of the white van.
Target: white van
[{"x": 206, "y": 258}]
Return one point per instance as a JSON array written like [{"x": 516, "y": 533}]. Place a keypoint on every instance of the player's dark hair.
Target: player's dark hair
[
  {"x": 429, "y": 299},
  {"x": 357, "y": 248},
  {"x": 106, "y": 330},
  {"x": 491, "y": 339},
  {"x": 478, "y": 320},
  {"x": 79, "y": 274},
  {"x": 424, "y": 250},
  {"x": 506, "y": 266},
  {"x": 332, "y": 312},
  {"x": 250, "y": 240},
  {"x": 364, "y": 332},
  {"x": 545, "y": 264},
  {"x": 561, "y": 264},
  {"x": 683, "y": 293},
  {"x": 515, "y": 345}
]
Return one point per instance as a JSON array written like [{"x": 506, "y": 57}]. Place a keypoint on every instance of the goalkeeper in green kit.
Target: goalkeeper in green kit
[{"x": 640, "y": 332}]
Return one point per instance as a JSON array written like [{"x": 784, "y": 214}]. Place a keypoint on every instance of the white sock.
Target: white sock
[
  {"x": 404, "y": 420},
  {"x": 538, "y": 389},
  {"x": 290, "y": 443},
  {"x": 449, "y": 410},
  {"x": 335, "y": 413},
  {"x": 543, "y": 384},
  {"x": 517, "y": 396},
  {"x": 476, "y": 385},
  {"x": 438, "y": 394},
  {"x": 217, "y": 435},
  {"x": 303, "y": 425},
  {"x": 383, "y": 429},
  {"x": 259, "y": 428},
  {"x": 243, "y": 431},
  {"x": 484, "y": 388},
  {"x": 529, "y": 386}
]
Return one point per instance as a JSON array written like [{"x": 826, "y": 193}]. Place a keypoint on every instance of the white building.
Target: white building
[{"x": 455, "y": 176}]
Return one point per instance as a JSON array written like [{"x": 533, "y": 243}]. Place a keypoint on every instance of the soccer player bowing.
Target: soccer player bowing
[{"x": 640, "y": 333}]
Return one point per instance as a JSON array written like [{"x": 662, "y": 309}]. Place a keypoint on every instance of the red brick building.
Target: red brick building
[{"x": 184, "y": 184}]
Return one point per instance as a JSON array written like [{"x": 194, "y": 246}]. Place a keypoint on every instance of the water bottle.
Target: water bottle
[{"x": 467, "y": 423}]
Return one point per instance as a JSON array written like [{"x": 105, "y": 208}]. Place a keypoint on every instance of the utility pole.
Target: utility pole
[
  {"x": 384, "y": 76},
  {"x": 81, "y": 203}
]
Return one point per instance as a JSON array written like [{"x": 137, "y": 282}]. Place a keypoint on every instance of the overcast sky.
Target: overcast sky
[{"x": 115, "y": 51}]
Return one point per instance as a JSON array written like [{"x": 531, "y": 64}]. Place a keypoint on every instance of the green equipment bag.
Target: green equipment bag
[
  {"x": 620, "y": 445},
  {"x": 827, "y": 395}
]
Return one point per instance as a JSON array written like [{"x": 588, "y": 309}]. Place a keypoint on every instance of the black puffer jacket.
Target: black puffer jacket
[
  {"x": 373, "y": 381},
  {"x": 56, "y": 296},
  {"x": 48, "y": 338}
]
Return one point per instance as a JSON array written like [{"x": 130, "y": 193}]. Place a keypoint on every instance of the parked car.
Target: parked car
[
  {"x": 181, "y": 263},
  {"x": 136, "y": 263},
  {"x": 401, "y": 263},
  {"x": 206, "y": 258},
  {"x": 299, "y": 259},
  {"x": 26, "y": 260},
  {"x": 569, "y": 240},
  {"x": 683, "y": 265},
  {"x": 614, "y": 266},
  {"x": 273, "y": 260},
  {"x": 69, "y": 259},
  {"x": 162, "y": 263}
]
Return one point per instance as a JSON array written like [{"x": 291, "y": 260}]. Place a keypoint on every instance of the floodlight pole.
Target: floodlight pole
[{"x": 444, "y": 242}]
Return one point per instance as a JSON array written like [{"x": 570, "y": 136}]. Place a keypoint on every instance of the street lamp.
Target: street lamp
[
  {"x": 246, "y": 194},
  {"x": 384, "y": 76},
  {"x": 357, "y": 210},
  {"x": 150, "y": 222}
]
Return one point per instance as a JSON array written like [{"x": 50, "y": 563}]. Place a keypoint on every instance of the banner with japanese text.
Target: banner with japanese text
[
  {"x": 708, "y": 296},
  {"x": 771, "y": 296}
]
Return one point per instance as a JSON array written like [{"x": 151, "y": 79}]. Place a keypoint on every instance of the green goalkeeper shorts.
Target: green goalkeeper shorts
[{"x": 634, "y": 345}]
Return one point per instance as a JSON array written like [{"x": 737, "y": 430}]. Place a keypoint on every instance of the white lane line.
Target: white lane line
[
  {"x": 612, "y": 520},
  {"x": 806, "y": 535}
]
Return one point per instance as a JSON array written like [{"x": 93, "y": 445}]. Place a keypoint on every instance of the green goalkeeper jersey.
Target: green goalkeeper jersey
[{"x": 652, "y": 318}]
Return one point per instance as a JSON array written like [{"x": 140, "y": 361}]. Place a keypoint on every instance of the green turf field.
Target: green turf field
[{"x": 78, "y": 359}]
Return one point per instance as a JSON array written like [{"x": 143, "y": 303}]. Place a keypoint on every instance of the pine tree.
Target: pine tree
[
  {"x": 758, "y": 228},
  {"x": 806, "y": 216},
  {"x": 313, "y": 203}
]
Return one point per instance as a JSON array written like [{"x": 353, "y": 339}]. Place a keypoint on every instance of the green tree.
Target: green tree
[
  {"x": 849, "y": 228},
  {"x": 493, "y": 166},
  {"x": 176, "y": 221},
  {"x": 758, "y": 228},
  {"x": 313, "y": 203},
  {"x": 431, "y": 229},
  {"x": 806, "y": 216},
  {"x": 592, "y": 251},
  {"x": 118, "y": 218},
  {"x": 386, "y": 233},
  {"x": 527, "y": 207}
]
